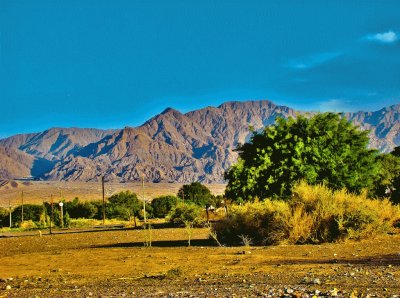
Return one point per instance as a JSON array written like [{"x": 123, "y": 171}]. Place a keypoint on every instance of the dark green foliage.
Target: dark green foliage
[
  {"x": 387, "y": 183},
  {"x": 77, "y": 209},
  {"x": 396, "y": 151},
  {"x": 395, "y": 193},
  {"x": 4, "y": 217},
  {"x": 124, "y": 205},
  {"x": 31, "y": 212},
  {"x": 99, "y": 207},
  {"x": 163, "y": 205},
  {"x": 56, "y": 216},
  {"x": 323, "y": 149},
  {"x": 67, "y": 220},
  {"x": 195, "y": 193}
]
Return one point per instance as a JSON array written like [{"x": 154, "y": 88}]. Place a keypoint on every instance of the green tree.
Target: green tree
[
  {"x": 195, "y": 193},
  {"x": 163, "y": 205},
  {"x": 396, "y": 151},
  {"x": 31, "y": 212},
  {"x": 393, "y": 169},
  {"x": 325, "y": 148},
  {"x": 186, "y": 213},
  {"x": 388, "y": 179},
  {"x": 124, "y": 205},
  {"x": 4, "y": 217}
]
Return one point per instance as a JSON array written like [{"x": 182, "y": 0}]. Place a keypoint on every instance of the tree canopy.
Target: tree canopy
[
  {"x": 163, "y": 205},
  {"x": 124, "y": 204},
  {"x": 387, "y": 183},
  {"x": 196, "y": 193},
  {"x": 323, "y": 149}
]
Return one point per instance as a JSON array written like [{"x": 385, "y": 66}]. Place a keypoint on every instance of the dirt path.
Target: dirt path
[{"x": 116, "y": 264}]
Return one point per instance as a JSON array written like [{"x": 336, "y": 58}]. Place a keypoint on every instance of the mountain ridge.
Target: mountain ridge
[{"x": 174, "y": 146}]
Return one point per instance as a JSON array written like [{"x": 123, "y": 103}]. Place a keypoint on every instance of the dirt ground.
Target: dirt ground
[
  {"x": 35, "y": 192},
  {"x": 116, "y": 263}
]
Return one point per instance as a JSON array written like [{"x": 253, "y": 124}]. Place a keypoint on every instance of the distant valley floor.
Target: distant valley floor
[{"x": 35, "y": 192}]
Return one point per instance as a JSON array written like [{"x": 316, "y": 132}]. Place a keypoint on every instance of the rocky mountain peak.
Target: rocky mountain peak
[{"x": 171, "y": 146}]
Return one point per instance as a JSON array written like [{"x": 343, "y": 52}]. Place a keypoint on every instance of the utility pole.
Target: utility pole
[
  {"x": 9, "y": 205},
  {"x": 52, "y": 211},
  {"x": 144, "y": 202},
  {"x": 61, "y": 214},
  {"x": 22, "y": 207},
  {"x": 104, "y": 202}
]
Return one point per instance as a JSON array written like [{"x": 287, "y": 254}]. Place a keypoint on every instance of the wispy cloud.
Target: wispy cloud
[
  {"x": 385, "y": 37},
  {"x": 312, "y": 61},
  {"x": 335, "y": 105}
]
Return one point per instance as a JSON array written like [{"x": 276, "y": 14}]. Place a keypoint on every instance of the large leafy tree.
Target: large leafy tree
[
  {"x": 163, "y": 205},
  {"x": 388, "y": 180},
  {"x": 196, "y": 193},
  {"x": 325, "y": 148},
  {"x": 124, "y": 205}
]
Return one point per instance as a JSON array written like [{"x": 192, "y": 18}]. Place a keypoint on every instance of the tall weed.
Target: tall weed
[{"x": 314, "y": 214}]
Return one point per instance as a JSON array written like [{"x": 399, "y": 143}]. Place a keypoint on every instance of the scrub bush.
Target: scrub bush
[{"x": 314, "y": 214}]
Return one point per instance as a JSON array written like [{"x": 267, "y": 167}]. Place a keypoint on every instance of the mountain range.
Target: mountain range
[{"x": 170, "y": 147}]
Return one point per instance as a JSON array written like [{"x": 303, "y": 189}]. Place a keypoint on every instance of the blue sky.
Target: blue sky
[{"x": 109, "y": 64}]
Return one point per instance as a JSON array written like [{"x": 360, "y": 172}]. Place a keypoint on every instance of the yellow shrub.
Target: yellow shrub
[{"x": 314, "y": 214}]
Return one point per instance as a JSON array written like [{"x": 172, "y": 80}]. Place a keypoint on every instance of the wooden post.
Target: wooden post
[
  {"x": 104, "y": 202},
  {"x": 22, "y": 206},
  {"x": 144, "y": 202},
  {"x": 61, "y": 214},
  {"x": 52, "y": 212},
  {"x": 9, "y": 205}
]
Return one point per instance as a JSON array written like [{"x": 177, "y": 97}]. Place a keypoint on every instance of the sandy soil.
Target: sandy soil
[
  {"x": 35, "y": 192},
  {"x": 116, "y": 264}
]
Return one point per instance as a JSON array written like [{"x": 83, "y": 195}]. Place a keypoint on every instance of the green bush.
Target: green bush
[
  {"x": 31, "y": 212},
  {"x": 163, "y": 205},
  {"x": 77, "y": 209},
  {"x": 4, "y": 217},
  {"x": 314, "y": 214},
  {"x": 186, "y": 213}
]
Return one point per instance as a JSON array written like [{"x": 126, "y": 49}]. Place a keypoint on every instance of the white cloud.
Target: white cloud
[
  {"x": 386, "y": 37},
  {"x": 312, "y": 61},
  {"x": 336, "y": 105}
]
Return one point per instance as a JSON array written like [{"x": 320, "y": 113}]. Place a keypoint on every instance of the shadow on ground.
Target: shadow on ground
[
  {"x": 384, "y": 260},
  {"x": 165, "y": 243}
]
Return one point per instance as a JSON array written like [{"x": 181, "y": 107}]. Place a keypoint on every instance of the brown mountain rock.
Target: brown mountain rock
[{"x": 196, "y": 146}]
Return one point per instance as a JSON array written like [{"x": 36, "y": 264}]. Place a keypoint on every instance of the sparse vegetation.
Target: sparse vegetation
[
  {"x": 148, "y": 236},
  {"x": 185, "y": 213}
]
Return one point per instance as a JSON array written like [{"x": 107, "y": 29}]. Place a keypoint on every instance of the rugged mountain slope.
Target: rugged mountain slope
[
  {"x": 14, "y": 163},
  {"x": 176, "y": 147},
  {"x": 173, "y": 146},
  {"x": 55, "y": 143},
  {"x": 45, "y": 149},
  {"x": 384, "y": 126}
]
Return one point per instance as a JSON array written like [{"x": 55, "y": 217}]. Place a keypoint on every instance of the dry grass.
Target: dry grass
[{"x": 315, "y": 214}]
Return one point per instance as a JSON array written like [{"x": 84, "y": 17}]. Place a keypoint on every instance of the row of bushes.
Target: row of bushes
[
  {"x": 314, "y": 214},
  {"x": 122, "y": 206}
]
